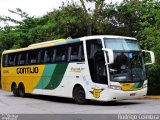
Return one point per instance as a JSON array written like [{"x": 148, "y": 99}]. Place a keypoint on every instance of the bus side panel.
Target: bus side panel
[
  {"x": 79, "y": 75},
  {"x": 28, "y": 75},
  {"x": 75, "y": 75},
  {"x": 51, "y": 79},
  {"x": 69, "y": 75}
]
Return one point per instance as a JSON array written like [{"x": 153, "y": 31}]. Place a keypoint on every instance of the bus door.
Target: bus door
[{"x": 96, "y": 61}]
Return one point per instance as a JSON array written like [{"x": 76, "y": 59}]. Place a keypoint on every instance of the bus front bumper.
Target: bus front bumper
[{"x": 115, "y": 95}]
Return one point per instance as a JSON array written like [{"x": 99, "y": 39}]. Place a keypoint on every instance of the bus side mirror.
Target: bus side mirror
[
  {"x": 110, "y": 55},
  {"x": 151, "y": 56}
]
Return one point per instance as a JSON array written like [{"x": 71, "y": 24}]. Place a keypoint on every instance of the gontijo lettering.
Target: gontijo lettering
[{"x": 27, "y": 70}]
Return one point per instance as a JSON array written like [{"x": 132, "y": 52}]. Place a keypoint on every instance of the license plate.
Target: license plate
[{"x": 132, "y": 94}]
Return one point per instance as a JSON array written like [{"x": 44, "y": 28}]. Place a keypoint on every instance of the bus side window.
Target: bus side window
[
  {"x": 5, "y": 60},
  {"x": 61, "y": 55},
  {"x": 15, "y": 58},
  {"x": 27, "y": 58},
  {"x": 74, "y": 55},
  {"x": 53, "y": 55},
  {"x": 11, "y": 59},
  {"x": 81, "y": 53},
  {"x": 22, "y": 59},
  {"x": 41, "y": 56},
  {"x": 44, "y": 56},
  {"x": 33, "y": 56},
  {"x": 47, "y": 55},
  {"x": 93, "y": 46}
]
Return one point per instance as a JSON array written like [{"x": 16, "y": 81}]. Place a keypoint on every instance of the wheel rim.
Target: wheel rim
[{"x": 81, "y": 95}]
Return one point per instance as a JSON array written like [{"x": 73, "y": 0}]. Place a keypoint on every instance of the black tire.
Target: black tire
[
  {"x": 79, "y": 95},
  {"x": 15, "y": 90},
  {"x": 21, "y": 90}
]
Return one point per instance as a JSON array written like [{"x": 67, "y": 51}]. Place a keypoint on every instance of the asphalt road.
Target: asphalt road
[{"x": 37, "y": 104}]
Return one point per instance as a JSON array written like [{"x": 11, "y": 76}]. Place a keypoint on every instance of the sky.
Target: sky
[
  {"x": 32, "y": 7},
  {"x": 35, "y": 8}
]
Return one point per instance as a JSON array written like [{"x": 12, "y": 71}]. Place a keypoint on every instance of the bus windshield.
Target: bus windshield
[
  {"x": 127, "y": 67},
  {"x": 128, "y": 60},
  {"x": 121, "y": 44}
]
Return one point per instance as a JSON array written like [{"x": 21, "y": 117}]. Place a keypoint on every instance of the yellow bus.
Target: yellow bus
[{"x": 102, "y": 68}]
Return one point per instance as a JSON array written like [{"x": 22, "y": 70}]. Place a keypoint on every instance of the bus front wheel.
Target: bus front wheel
[
  {"x": 21, "y": 90},
  {"x": 14, "y": 89},
  {"x": 79, "y": 95}
]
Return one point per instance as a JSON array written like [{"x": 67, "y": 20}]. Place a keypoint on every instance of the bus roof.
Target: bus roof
[
  {"x": 63, "y": 42},
  {"x": 44, "y": 44},
  {"x": 106, "y": 36}
]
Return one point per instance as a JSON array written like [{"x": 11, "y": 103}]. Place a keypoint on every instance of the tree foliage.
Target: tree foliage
[
  {"x": 135, "y": 18},
  {"x": 67, "y": 21}
]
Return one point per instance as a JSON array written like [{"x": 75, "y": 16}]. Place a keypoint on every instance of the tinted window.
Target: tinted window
[
  {"x": 22, "y": 58},
  {"x": 96, "y": 61},
  {"x": 5, "y": 60},
  {"x": 82, "y": 53},
  {"x": 65, "y": 53},
  {"x": 53, "y": 55},
  {"x": 93, "y": 46},
  {"x": 12, "y": 59},
  {"x": 47, "y": 55},
  {"x": 76, "y": 53},
  {"x": 32, "y": 57},
  {"x": 44, "y": 56},
  {"x": 41, "y": 56},
  {"x": 60, "y": 55}
]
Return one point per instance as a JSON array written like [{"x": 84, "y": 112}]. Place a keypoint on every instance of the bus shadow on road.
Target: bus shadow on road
[
  {"x": 51, "y": 98},
  {"x": 71, "y": 101},
  {"x": 115, "y": 103}
]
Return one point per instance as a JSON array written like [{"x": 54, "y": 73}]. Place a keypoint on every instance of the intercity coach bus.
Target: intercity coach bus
[{"x": 102, "y": 68}]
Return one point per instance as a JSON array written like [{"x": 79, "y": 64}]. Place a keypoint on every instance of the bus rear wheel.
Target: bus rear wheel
[
  {"x": 15, "y": 89},
  {"x": 21, "y": 90},
  {"x": 79, "y": 95}
]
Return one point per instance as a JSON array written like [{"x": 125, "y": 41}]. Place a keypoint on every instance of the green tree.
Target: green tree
[
  {"x": 67, "y": 21},
  {"x": 139, "y": 19},
  {"x": 150, "y": 36}
]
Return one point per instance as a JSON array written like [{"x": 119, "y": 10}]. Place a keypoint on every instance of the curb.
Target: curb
[
  {"x": 152, "y": 97},
  {"x": 149, "y": 98}
]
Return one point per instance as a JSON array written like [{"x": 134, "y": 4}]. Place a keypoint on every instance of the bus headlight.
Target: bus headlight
[
  {"x": 145, "y": 85},
  {"x": 115, "y": 87}
]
